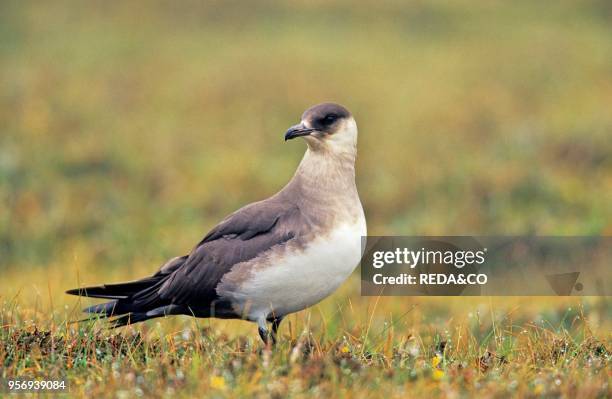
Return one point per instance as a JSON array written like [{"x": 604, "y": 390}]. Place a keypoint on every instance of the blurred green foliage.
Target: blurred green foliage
[{"x": 129, "y": 129}]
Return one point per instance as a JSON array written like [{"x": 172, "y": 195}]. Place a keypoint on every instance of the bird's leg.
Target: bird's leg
[{"x": 266, "y": 335}]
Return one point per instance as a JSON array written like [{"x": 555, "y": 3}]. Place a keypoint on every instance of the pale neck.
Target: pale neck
[{"x": 326, "y": 173}]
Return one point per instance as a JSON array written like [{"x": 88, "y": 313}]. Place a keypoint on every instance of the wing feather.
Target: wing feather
[{"x": 240, "y": 237}]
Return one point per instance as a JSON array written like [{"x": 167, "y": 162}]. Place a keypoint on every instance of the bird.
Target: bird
[{"x": 270, "y": 258}]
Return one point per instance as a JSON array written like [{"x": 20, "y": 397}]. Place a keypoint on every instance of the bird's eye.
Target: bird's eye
[{"x": 329, "y": 119}]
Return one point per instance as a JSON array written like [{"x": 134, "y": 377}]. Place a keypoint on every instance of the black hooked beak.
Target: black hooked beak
[{"x": 298, "y": 131}]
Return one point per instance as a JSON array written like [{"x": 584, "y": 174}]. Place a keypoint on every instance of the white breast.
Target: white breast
[{"x": 295, "y": 279}]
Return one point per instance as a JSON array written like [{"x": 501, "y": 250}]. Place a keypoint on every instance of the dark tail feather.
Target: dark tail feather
[
  {"x": 116, "y": 291},
  {"x": 137, "y": 317},
  {"x": 130, "y": 318},
  {"x": 104, "y": 309},
  {"x": 133, "y": 302}
]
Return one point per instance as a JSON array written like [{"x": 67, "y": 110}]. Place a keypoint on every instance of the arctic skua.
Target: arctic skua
[{"x": 269, "y": 258}]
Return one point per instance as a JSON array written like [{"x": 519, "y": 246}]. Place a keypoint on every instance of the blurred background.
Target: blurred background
[{"x": 128, "y": 130}]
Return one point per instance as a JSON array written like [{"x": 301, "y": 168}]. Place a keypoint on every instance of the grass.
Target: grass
[
  {"x": 476, "y": 117},
  {"x": 473, "y": 347}
]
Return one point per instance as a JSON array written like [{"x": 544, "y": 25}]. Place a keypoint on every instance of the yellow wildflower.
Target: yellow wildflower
[
  {"x": 539, "y": 388},
  {"x": 217, "y": 382},
  {"x": 437, "y": 374}
]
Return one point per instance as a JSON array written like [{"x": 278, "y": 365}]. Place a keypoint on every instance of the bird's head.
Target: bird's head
[{"x": 326, "y": 127}]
